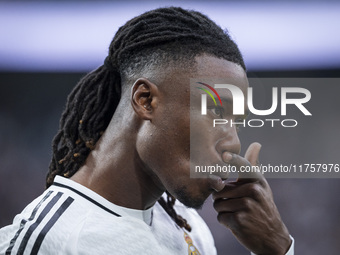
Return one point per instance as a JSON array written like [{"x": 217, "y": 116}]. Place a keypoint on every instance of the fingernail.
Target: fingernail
[{"x": 227, "y": 156}]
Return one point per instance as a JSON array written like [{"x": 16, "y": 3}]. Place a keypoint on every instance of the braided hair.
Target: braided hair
[{"x": 155, "y": 37}]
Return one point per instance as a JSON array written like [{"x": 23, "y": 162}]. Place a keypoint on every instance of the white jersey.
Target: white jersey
[{"x": 69, "y": 218}]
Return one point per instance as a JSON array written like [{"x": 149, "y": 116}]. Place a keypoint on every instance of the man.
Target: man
[{"x": 124, "y": 141}]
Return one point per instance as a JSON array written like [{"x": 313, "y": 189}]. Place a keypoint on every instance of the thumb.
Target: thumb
[
  {"x": 252, "y": 153},
  {"x": 252, "y": 156}
]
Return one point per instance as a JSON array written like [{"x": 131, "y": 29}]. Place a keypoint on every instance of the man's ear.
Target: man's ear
[{"x": 144, "y": 98}]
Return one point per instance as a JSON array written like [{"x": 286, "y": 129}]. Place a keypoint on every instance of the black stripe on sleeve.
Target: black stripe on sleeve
[
  {"x": 23, "y": 223},
  {"x": 50, "y": 224},
  {"x": 42, "y": 215},
  {"x": 86, "y": 197}
]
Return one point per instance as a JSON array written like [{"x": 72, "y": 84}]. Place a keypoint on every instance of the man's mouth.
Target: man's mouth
[{"x": 216, "y": 182}]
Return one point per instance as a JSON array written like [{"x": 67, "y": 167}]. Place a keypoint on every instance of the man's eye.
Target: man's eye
[{"x": 218, "y": 111}]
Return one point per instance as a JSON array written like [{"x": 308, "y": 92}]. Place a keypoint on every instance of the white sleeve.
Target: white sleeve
[{"x": 291, "y": 249}]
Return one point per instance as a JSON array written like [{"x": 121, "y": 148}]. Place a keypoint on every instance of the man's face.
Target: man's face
[{"x": 166, "y": 140}]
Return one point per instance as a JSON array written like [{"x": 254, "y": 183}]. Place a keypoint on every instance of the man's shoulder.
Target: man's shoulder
[{"x": 62, "y": 219}]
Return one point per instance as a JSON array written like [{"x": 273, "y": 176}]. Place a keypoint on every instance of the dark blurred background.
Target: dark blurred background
[{"x": 46, "y": 47}]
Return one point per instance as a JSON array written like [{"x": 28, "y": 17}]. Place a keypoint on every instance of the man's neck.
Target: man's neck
[{"x": 118, "y": 176}]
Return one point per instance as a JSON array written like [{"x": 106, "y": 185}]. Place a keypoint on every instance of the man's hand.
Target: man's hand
[{"x": 247, "y": 208}]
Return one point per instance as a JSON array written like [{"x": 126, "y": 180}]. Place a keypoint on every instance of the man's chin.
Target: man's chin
[{"x": 188, "y": 200}]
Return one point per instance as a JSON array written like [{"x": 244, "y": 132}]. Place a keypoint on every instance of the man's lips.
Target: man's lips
[
  {"x": 216, "y": 182},
  {"x": 217, "y": 179}
]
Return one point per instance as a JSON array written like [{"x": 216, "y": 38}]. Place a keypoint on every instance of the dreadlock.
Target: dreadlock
[{"x": 157, "y": 37}]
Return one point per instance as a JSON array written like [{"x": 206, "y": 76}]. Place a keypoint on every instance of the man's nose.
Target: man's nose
[{"x": 229, "y": 142}]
